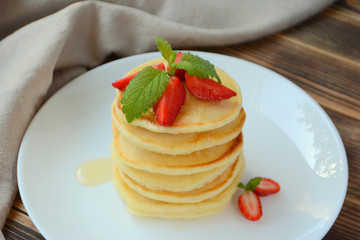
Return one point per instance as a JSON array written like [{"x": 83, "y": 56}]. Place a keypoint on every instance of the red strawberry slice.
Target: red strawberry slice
[
  {"x": 180, "y": 73},
  {"x": 250, "y": 205},
  {"x": 122, "y": 83},
  {"x": 169, "y": 105},
  {"x": 207, "y": 89},
  {"x": 178, "y": 57},
  {"x": 160, "y": 66},
  {"x": 267, "y": 186}
]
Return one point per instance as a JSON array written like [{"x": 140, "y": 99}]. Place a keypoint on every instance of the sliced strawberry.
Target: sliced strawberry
[
  {"x": 250, "y": 205},
  {"x": 122, "y": 83},
  {"x": 178, "y": 57},
  {"x": 180, "y": 73},
  {"x": 207, "y": 89},
  {"x": 267, "y": 186},
  {"x": 169, "y": 105},
  {"x": 160, "y": 66}
]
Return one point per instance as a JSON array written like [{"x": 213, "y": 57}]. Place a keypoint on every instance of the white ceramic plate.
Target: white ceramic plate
[{"x": 287, "y": 135}]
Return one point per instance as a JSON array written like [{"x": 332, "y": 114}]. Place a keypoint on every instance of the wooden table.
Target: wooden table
[{"x": 322, "y": 56}]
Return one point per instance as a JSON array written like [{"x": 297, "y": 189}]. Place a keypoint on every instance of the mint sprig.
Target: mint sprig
[
  {"x": 251, "y": 185},
  {"x": 149, "y": 84},
  {"x": 192, "y": 64},
  {"x": 168, "y": 54},
  {"x": 165, "y": 49},
  {"x": 143, "y": 90}
]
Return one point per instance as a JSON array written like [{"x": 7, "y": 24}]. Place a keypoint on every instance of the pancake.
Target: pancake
[
  {"x": 196, "y": 115},
  {"x": 175, "y": 144},
  {"x": 198, "y": 161},
  {"x": 207, "y": 191},
  {"x": 174, "y": 183},
  {"x": 143, "y": 206}
]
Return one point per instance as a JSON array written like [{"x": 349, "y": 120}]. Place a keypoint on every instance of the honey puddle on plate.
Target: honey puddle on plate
[{"x": 94, "y": 172}]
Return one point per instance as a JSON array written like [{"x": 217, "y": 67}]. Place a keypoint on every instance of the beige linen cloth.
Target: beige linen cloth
[{"x": 38, "y": 57}]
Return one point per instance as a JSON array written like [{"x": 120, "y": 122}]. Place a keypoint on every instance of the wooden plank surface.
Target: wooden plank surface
[{"x": 322, "y": 56}]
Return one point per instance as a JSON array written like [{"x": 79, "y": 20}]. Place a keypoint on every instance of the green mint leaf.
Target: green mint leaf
[
  {"x": 164, "y": 48},
  {"x": 241, "y": 185},
  {"x": 172, "y": 69},
  {"x": 198, "y": 66},
  {"x": 143, "y": 90},
  {"x": 253, "y": 183},
  {"x": 172, "y": 57},
  {"x": 184, "y": 65}
]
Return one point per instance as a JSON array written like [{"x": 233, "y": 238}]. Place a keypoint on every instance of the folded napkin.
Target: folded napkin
[{"x": 38, "y": 57}]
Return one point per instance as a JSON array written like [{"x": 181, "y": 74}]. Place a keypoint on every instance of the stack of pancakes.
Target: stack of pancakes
[{"x": 187, "y": 170}]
